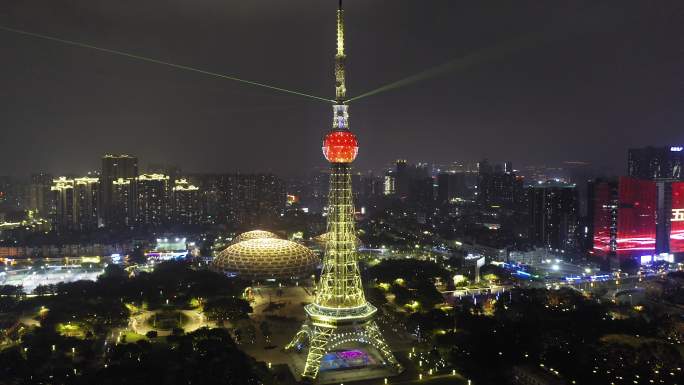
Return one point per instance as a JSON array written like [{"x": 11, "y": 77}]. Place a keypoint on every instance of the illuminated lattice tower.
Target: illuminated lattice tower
[{"x": 340, "y": 314}]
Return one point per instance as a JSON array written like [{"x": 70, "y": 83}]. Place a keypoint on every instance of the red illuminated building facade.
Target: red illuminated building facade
[
  {"x": 677, "y": 218},
  {"x": 636, "y": 221},
  {"x": 605, "y": 204},
  {"x": 625, "y": 218},
  {"x": 641, "y": 215}
]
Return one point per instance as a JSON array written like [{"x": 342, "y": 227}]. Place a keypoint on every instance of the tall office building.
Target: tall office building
[
  {"x": 114, "y": 167},
  {"x": 663, "y": 165},
  {"x": 553, "y": 215},
  {"x": 497, "y": 187},
  {"x": 625, "y": 217},
  {"x": 451, "y": 185},
  {"x": 413, "y": 183},
  {"x": 603, "y": 209},
  {"x": 676, "y": 218},
  {"x": 656, "y": 163},
  {"x": 389, "y": 183},
  {"x": 402, "y": 179},
  {"x": 421, "y": 191},
  {"x": 187, "y": 203},
  {"x": 152, "y": 199}
]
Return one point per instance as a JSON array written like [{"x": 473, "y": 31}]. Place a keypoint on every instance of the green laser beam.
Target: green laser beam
[
  {"x": 173, "y": 65},
  {"x": 481, "y": 56},
  {"x": 598, "y": 15}
]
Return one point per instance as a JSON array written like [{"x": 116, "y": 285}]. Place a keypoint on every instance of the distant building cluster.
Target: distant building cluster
[
  {"x": 563, "y": 210},
  {"x": 119, "y": 196}
]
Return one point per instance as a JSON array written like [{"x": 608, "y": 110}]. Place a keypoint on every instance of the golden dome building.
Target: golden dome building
[
  {"x": 266, "y": 258},
  {"x": 254, "y": 234}
]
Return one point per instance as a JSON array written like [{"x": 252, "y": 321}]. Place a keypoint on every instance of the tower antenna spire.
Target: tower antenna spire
[{"x": 340, "y": 58}]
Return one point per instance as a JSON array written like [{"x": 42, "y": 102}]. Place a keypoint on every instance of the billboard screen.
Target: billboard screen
[
  {"x": 677, "y": 218},
  {"x": 636, "y": 230}
]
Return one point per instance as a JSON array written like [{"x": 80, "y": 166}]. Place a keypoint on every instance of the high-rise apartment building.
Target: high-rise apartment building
[
  {"x": 65, "y": 217},
  {"x": 152, "y": 193},
  {"x": 114, "y": 167},
  {"x": 241, "y": 199},
  {"x": 76, "y": 203},
  {"x": 122, "y": 203},
  {"x": 39, "y": 197},
  {"x": 187, "y": 203},
  {"x": 86, "y": 196}
]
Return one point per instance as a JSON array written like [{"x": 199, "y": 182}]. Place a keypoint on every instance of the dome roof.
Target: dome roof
[
  {"x": 254, "y": 234},
  {"x": 263, "y": 258}
]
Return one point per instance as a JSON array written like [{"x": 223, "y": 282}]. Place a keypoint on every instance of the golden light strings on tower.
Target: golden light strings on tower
[
  {"x": 340, "y": 313},
  {"x": 165, "y": 63}
]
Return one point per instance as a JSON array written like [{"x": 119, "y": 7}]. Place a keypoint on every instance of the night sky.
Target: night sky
[{"x": 601, "y": 76}]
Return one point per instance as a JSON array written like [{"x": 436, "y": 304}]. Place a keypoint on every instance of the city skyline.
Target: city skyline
[
  {"x": 617, "y": 89},
  {"x": 516, "y": 216}
]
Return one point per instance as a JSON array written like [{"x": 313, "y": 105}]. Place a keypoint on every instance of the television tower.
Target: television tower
[{"x": 340, "y": 314}]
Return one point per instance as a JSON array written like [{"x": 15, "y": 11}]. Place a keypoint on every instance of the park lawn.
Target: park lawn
[{"x": 132, "y": 337}]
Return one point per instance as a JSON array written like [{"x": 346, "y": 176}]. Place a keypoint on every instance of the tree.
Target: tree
[
  {"x": 137, "y": 256},
  {"x": 402, "y": 295},
  {"x": 113, "y": 271},
  {"x": 44, "y": 289},
  {"x": 227, "y": 309},
  {"x": 11, "y": 290},
  {"x": 376, "y": 296},
  {"x": 407, "y": 269},
  {"x": 427, "y": 294}
]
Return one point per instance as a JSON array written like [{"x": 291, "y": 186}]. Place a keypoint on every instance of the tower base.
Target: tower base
[{"x": 354, "y": 352}]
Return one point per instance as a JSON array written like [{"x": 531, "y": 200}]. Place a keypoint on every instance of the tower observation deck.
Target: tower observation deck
[{"x": 340, "y": 316}]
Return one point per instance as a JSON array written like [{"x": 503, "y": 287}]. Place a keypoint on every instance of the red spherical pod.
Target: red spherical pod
[{"x": 340, "y": 146}]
